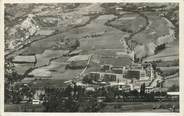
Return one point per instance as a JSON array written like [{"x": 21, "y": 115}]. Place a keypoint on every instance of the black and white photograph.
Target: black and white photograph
[{"x": 91, "y": 57}]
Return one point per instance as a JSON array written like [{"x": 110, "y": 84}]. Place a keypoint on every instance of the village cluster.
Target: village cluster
[{"x": 125, "y": 78}]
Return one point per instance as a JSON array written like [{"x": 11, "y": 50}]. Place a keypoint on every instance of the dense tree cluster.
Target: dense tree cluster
[
  {"x": 159, "y": 48},
  {"x": 11, "y": 76},
  {"x": 14, "y": 93},
  {"x": 173, "y": 88},
  {"x": 78, "y": 99}
]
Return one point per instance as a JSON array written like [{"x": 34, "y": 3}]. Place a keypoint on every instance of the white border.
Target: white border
[
  {"x": 84, "y": 1},
  {"x": 181, "y": 59}
]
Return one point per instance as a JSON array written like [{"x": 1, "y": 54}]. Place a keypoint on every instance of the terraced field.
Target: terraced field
[
  {"x": 108, "y": 38},
  {"x": 55, "y": 70},
  {"x": 47, "y": 55}
]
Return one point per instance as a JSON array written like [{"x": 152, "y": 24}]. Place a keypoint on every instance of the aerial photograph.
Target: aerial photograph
[{"x": 91, "y": 57}]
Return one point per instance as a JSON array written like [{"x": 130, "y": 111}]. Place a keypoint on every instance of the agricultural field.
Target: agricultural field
[
  {"x": 129, "y": 22},
  {"x": 169, "y": 68},
  {"x": 22, "y": 68},
  {"x": 105, "y": 41},
  {"x": 41, "y": 45},
  {"x": 56, "y": 70},
  {"x": 170, "y": 53},
  {"x": 157, "y": 27},
  {"x": 109, "y": 38},
  {"x": 47, "y": 55}
]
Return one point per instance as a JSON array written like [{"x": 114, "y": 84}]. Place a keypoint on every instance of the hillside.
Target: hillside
[{"x": 112, "y": 33}]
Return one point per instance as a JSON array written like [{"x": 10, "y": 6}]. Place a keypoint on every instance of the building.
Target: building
[
  {"x": 110, "y": 77},
  {"x": 34, "y": 101},
  {"x": 148, "y": 89},
  {"x": 150, "y": 72},
  {"x": 106, "y": 77},
  {"x": 96, "y": 76},
  {"x": 106, "y": 67},
  {"x": 173, "y": 96},
  {"x": 38, "y": 96},
  {"x": 137, "y": 74},
  {"x": 118, "y": 70}
]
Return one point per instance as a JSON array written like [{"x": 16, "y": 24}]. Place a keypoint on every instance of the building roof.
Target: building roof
[
  {"x": 24, "y": 59},
  {"x": 79, "y": 58}
]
